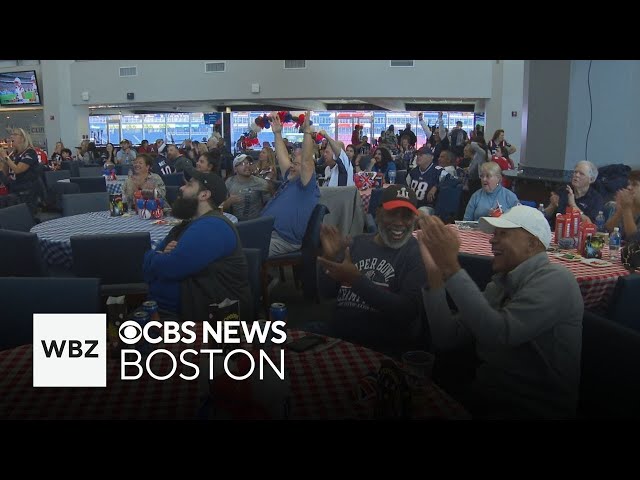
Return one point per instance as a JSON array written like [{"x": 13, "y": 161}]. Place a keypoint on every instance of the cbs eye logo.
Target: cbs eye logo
[{"x": 130, "y": 332}]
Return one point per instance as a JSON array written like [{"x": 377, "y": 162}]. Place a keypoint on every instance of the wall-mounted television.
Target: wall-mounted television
[{"x": 19, "y": 88}]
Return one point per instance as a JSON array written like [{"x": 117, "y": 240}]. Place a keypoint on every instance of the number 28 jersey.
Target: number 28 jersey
[{"x": 421, "y": 182}]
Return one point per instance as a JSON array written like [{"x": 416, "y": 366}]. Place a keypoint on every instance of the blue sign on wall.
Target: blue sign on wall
[{"x": 212, "y": 118}]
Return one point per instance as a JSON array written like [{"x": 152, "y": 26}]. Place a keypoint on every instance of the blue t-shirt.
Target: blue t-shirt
[
  {"x": 422, "y": 182},
  {"x": 481, "y": 202},
  {"x": 205, "y": 240},
  {"x": 291, "y": 206}
]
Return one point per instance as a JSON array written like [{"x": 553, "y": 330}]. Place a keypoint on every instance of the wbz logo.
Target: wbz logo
[{"x": 69, "y": 350}]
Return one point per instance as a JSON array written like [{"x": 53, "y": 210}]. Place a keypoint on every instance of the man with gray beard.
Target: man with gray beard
[{"x": 375, "y": 278}]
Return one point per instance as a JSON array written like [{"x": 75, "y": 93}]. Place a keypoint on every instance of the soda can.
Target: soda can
[
  {"x": 142, "y": 318},
  {"x": 151, "y": 307},
  {"x": 278, "y": 311}
]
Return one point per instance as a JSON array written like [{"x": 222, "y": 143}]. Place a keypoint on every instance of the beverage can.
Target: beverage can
[
  {"x": 560, "y": 221},
  {"x": 142, "y": 318},
  {"x": 151, "y": 307},
  {"x": 278, "y": 311}
]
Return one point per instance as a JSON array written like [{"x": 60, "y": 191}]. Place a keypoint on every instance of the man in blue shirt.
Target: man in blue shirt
[
  {"x": 294, "y": 201},
  {"x": 201, "y": 261}
]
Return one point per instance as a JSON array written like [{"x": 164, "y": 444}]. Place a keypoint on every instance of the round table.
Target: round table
[{"x": 55, "y": 235}]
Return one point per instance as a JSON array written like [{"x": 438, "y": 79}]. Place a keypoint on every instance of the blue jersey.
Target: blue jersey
[{"x": 422, "y": 182}]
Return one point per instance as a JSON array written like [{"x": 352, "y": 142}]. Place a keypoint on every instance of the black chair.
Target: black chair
[
  {"x": 254, "y": 267},
  {"x": 72, "y": 166},
  {"x": 401, "y": 177},
  {"x": 176, "y": 179},
  {"x": 303, "y": 259},
  {"x": 375, "y": 200},
  {"x": 172, "y": 193},
  {"x": 256, "y": 233},
  {"x": 17, "y": 217},
  {"x": 623, "y": 307},
  {"x": 118, "y": 278},
  {"x": 123, "y": 169},
  {"x": 478, "y": 267},
  {"x": 52, "y": 176},
  {"x": 78, "y": 203},
  {"x": 90, "y": 171},
  {"x": 90, "y": 184},
  {"x": 42, "y": 295},
  {"x": 610, "y": 370},
  {"x": 20, "y": 256},
  {"x": 448, "y": 200}
]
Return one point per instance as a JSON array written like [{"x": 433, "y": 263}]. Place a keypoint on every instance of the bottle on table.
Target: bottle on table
[
  {"x": 614, "y": 245},
  {"x": 600, "y": 221}
]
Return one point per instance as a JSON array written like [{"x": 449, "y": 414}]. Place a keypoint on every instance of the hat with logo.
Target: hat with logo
[
  {"x": 240, "y": 158},
  {"x": 214, "y": 183},
  {"x": 520, "y": 216},
  {"x": 399, "y": 196}
]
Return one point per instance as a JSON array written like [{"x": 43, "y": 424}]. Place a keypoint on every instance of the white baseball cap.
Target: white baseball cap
[
  {"x": 240, "y": 158},
  {"x": 520, "y": 216}
]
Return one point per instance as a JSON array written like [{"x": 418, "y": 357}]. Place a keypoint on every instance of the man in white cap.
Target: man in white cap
[
  {"x": 247, "y": 193},
  {"x": 527, "y": 324}
]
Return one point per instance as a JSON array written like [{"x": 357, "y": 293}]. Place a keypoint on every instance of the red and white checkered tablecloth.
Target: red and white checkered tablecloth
[
  {"x": 596, "y": 283},
  {"x": 322, "y": 387}
]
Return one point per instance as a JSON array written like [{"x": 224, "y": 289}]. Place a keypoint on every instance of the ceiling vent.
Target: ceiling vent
[
  {"x": 128, "y": 71},
  {"x": 401, "y": 63},
  {"x": 295, "y": 64},
  {"x": 215, "y": 67}
]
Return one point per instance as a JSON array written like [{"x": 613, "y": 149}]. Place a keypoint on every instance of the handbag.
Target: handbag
[{"x": 630, "y": 255}]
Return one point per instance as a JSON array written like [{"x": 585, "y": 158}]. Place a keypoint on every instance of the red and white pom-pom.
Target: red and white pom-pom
[
  {"x": 300, "y": 120},
  {"x": 256, "y": 128}
]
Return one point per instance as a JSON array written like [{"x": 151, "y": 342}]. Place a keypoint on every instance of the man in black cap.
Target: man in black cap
[
  {"x": 200, "y": 261},
  {"x": 375, "y": 278}
]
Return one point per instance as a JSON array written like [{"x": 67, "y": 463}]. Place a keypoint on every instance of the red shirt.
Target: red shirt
[{"x": 505, "y": 164}]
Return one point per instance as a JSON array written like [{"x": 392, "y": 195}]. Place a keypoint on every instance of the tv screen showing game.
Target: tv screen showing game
[{"x": 19, "y": 88}]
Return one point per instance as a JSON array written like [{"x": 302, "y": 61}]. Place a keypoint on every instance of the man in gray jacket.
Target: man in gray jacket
[{"x": 527, "y": 324}]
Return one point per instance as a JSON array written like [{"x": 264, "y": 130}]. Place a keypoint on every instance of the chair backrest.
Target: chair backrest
[
  {"x": 172, "y": 193},
  {"x": 20, "y": 255},
  {"x": 77, "y": 203},
  {"x": 401, "y": 177},
  {"x": 176, "y": 179},
  {"x": 42, "y": 295},
  {"x": 256, "y": 233},
  {"x": 73, "y": 167},
  {"x": 254, "y": 267},
  {"x": 623, "y": 307},
  {"x": 17, "y": 217},
  {"x": 609, "y": 385},
  {"x": 478, "y": 267},
  {"x": 52, "y": 176},
  {"x": 90, "y": 184},
  {"x": 448, "y": 200},
  {"x": 90, "y": 171},
  {"x": 92, "y": 256},
  {"x": 374, "y": 200},
  {"x": 310, "y": 248},
  {"x": 123, "y": 169}
]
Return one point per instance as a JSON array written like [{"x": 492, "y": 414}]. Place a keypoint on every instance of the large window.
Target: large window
[
  {"x": 131, "y": 126},
  {"x": 178, "y": 127},
  {"x": 199, "y": 130},
  {"x": 154, "y": 127},
  {"x": 98, "y": 129}
]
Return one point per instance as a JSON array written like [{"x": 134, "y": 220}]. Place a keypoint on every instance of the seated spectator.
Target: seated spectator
[
  {"x": 527, "y": 324},
  {"x": 338, "y": 171},
  {"x": 66, "y": 155},
  {"x": 297, "y": 196},
  {"x": 200, "y": 261},
  {"x": 627, "y": 209},
  {"x": 501, "y": 157},
  {"x": 424, "y": 178},
  {"x": 389, "y": 139},
  {"x": 144, "y": 147},
  {"x": 578, "y": 195},
  {"x": 20, "y": 170},
  {"x": 179, "y": 162},
  {"x": 383, "y": 162},
  {"x": 143, "y": 179},
  {"x": 247, "y": 193},
  {"x": 161, "y": 164},
  {"x": 126, "y": 155},
  {"x": 375, "y": 279},
  {"x": 492, "y": 199},
  {"x": 498, "y": 140}
]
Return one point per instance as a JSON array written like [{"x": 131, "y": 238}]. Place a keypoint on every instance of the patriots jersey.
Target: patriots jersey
[{"x": 421, "y": 182}]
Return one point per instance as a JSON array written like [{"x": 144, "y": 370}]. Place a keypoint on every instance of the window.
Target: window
[
  {"x": 199, "y": 130},
  {"x": 98, "y": 129},
  {"x": 131, "y": 126},
  {"x": 178, "y": 127},
  {"x": 154, "y": 127}
]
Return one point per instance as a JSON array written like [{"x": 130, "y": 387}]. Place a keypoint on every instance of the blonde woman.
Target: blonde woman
[
  {"x": 20, "y": 168},
  {"x": 266, "y": 165}
]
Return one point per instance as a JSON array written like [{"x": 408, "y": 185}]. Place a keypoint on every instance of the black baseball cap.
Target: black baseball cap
[
  {"x": 399, "y": 196},
  {"x": 214, "y": 183}
]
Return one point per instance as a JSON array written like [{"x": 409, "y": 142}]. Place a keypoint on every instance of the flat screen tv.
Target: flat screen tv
[{"x": 19, "y": 88}]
